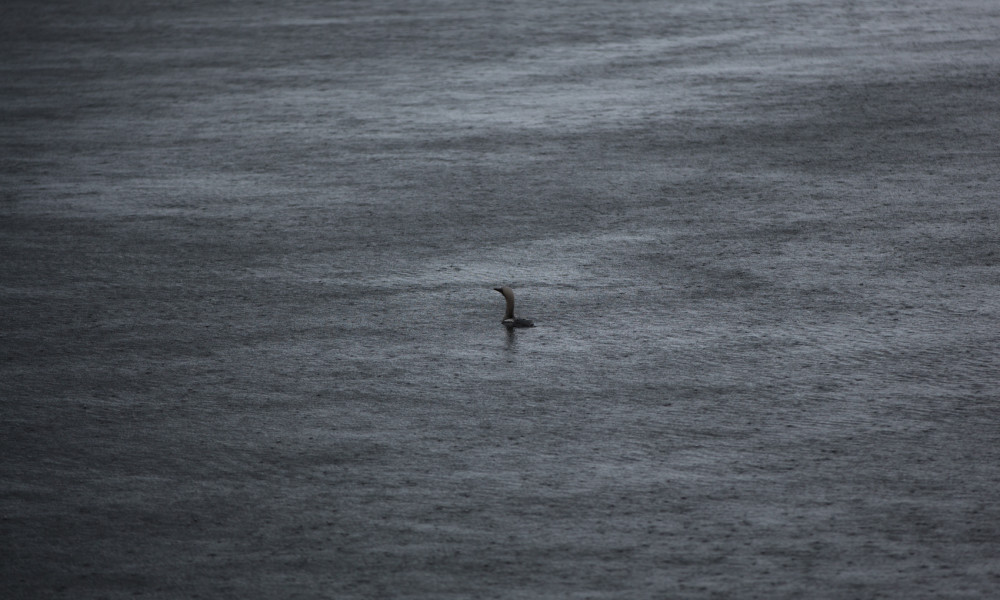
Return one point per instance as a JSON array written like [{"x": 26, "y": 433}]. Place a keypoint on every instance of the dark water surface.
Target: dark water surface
[{"x": 250, "y": 346}]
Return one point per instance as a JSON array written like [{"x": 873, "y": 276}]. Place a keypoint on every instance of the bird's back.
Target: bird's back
[{"x": 518, "y": 322}]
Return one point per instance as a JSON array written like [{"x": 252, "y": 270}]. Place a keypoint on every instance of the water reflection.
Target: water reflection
[{"x": 511, "y": 339}]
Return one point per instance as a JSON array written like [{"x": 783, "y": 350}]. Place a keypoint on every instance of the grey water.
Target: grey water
[{"x": 250, "y": 333}]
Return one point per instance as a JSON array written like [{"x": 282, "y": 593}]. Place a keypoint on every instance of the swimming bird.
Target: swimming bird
[{"x": 509, "y": 319}]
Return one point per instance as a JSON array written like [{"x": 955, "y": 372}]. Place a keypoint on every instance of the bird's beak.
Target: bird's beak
[{"x": 497, "y": 290}]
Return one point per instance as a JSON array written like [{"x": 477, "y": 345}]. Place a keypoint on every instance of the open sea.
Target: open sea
[{"x": 250, "y": 346}]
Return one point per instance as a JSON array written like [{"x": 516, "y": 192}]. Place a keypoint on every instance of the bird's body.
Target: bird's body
[
  {"x": 517, "y": 322},
  {"x": 509, "y": 320}
]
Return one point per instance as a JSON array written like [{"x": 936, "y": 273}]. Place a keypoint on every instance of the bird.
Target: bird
[{"x": 509, "y": 320}]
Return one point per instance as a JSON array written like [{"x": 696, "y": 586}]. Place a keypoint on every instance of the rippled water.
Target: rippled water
[{"x": 249, "y": 331}]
